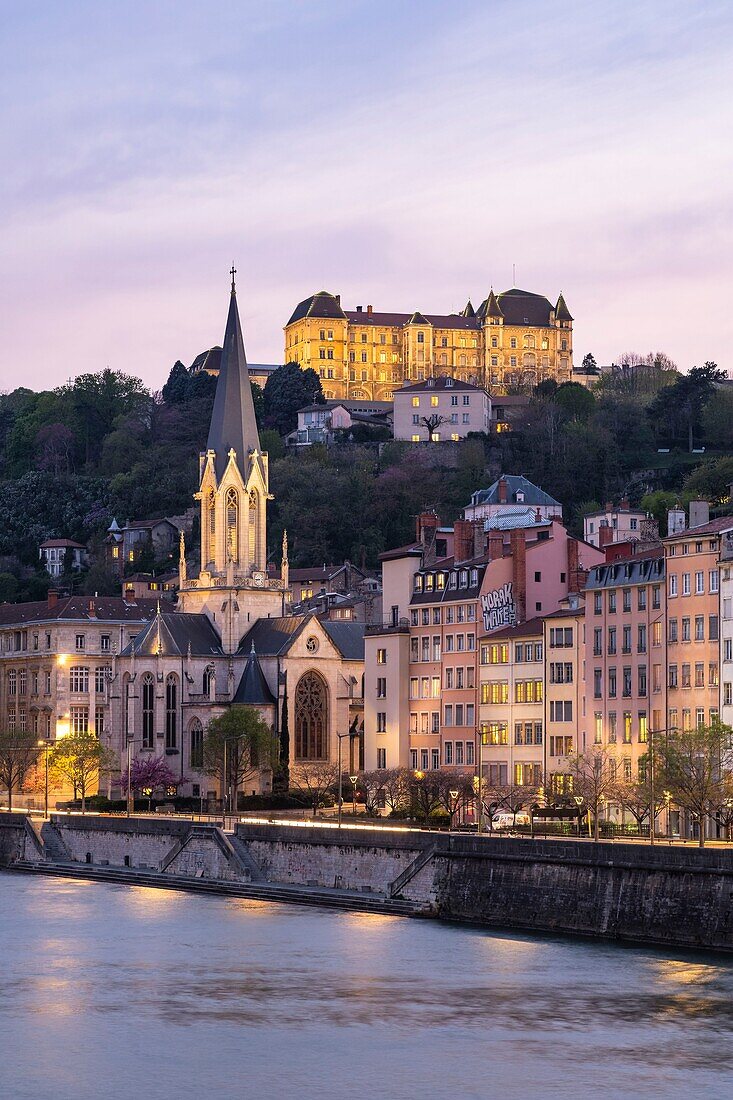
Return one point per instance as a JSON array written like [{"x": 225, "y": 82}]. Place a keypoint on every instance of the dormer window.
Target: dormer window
[
  {"x": 429, "y": 582},
  {"x": 440, "y": 581},
  {"x": 448, "y": 383},
  {"x": 464, "y": 578},
  {"x": 454, "y": 580},
  {"x": 418, "y": 582},
  {"x": 519, "y": 497},
  {"x": 474, "y": 577}
]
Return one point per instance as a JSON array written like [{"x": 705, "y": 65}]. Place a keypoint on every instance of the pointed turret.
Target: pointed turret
[
  {"x": 562, "y": 313},
  {"x": 418, "y": 319},
  {"x": 233, "y": 424},
  {"x": 493, "y": 309},
  {"x": 468, "y": 310},
  {"x": 253, "y": 688}
]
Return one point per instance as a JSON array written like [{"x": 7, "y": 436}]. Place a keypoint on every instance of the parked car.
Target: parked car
[{"x": 506, "y": 820}]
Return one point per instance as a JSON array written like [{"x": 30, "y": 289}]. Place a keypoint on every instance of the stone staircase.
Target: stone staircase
[
  {"x": 54, "y": 848},
  {"x": 256, "y": 891}
]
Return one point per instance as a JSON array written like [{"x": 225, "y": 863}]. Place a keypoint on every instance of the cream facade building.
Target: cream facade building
[{"x": 513, "y": 337}]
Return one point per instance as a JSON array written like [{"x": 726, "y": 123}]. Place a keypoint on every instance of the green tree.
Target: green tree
[
  {"x": 575, "y": 400},
  {"x": 80, "y": 760},
  {"x": 717, "y": 419},
  {"x": 238, "y": 744},
  {"x": 695, "y": 767},
  {"x": 589, "y": 364},
  {"x": 710, "y": 481},
  {"x": 18, "y": 755},
  {"x": 677, "y": 410},
  {"x": 288, "y": 389}
]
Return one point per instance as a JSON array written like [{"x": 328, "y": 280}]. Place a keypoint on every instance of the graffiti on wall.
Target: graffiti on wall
[{"x": 498, "y": 608}]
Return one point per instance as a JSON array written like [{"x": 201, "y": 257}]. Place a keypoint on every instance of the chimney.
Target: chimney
[
  {"x": 675, "y": 520},
  {"x": 503, "y": 489},
  {"x": 53, "y": 597},
  {"x": 426, "y": 529},
  {"x": 92, "y": 610},
  {"x": 624, "y": 505},
  {"x": 495, "y": 545},
  {"x": 359, "y": 309},
  {"x": 519, "y": 573},
  {"x": 699, "y": 513},
  {"x": 573, "y": 572},
  {"x": 479, "y": 541},
  {"x": 338, "y": 299},
  {"x": 538, "y": 516},
  {"x": 605, "y": 535},
  {"x": 462, "y": 540},
  {"x": 370, "y": 309}
]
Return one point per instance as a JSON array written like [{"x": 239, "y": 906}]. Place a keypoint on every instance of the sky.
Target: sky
[{"x": 404, "y": 154}]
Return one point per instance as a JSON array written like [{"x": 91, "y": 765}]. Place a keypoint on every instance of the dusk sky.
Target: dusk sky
[{"x": 403, "y": 154}]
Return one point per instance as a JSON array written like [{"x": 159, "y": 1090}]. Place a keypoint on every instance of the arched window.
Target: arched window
[
  {"x": 212, "y": 526},
  {"x": 148, "y": 711},
  {"x": 311, "y": 718},
  {"x": 253, "y": 518},
  {"x": 232, "y": 512},
  {"x": 196, "y": 743},
  {"x": 209, "y": 679},
  {"x": 171, "y": 711}
]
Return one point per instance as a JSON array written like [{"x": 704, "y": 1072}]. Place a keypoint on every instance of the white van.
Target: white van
[{"x": 506, "y": 820}]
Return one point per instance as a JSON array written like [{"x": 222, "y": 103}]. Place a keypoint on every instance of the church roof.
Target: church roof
[
  {"x": 347, "y": 637},
  {"x": 253, "y": 689},
  {"x": 176, "y": 634},
  {"x": 518, "y": 307},
  {"x": 272, "y": 637},
  {"x": 233, "y": 423}
]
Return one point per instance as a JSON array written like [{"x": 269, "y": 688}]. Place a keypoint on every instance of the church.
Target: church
[{"x": 231, "y": 641}]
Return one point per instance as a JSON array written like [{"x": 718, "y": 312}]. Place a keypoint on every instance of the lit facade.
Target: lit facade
[{"x": 512, "y": 337}]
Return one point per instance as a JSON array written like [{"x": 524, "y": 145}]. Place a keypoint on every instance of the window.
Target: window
[
  {"x": 686, "y": 584},
  {"x": 685, "y": 630},
  {"x": 148, "y": 700},
  {"x": 713, "y": 628},
  {"x": 713, "y": 580},
  {"x": 381, "y": 687},
  {"x": 699, "y": 628},
  {"x": 627, "y": 599},
  {"x": 598, "y": 726},
  {"x": 627, "y": 727},
  {"x": 700, "y": 583},
  {"x": 100, "y": 678},
  {"x": 672, "y": 676},
  {"x": 79, "y": 720},
  {"x": 673, "y": 585},
  {"x": 641, "y": 639},
  {"x": 627, "y": 682},
  {"x": 381, "y": 759},
  {"x": 656, "y": 597},
  {"x": 381, "y": 656},
  {"x": 104, "y": 643},
  {"x": 561, "y": 710},
  {"x": 699, "y": 674},
  {"x": 612, "y": 603},
  {"x": 381, "y": 721},
  {"x": 672, "y": 630},
  {"x": 196, "y": 744},
  {"x": 81, "y": 643},
  {"x": 99, "y": 721},
  {"x": 641, "y": 679},
  {"x": 641, "y": 599},
  {"x": 78, "y": 679}
]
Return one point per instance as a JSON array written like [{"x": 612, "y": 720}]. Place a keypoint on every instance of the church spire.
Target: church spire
[{"x": 233, "y": 424}]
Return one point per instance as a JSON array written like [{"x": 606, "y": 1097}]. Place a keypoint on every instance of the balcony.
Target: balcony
[{"x": 374, "y": 629}]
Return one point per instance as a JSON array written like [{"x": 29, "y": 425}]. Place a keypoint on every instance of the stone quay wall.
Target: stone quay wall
[{"x": 672, "y": 896}]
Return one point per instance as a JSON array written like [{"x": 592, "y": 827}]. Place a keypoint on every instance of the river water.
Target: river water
[{"x": 129, "y": 992}]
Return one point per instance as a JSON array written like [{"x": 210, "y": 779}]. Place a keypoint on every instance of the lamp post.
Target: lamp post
[
  {"x": 45, "y": 746},
  {"x": 353, "y": 735},
  {"x": 354, "y": 780},
  {"x": 453, "y": 795},
  {"x": 130, "y": 741},
  {"x": 483, "y": 738},
  {"x": 578, "y": 802}
]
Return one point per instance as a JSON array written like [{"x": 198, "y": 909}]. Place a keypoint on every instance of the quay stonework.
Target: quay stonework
[{"x": 671, "y": 896}]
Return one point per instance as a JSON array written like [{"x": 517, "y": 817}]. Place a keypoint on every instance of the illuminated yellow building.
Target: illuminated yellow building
[{"x": 512, "y": 338}]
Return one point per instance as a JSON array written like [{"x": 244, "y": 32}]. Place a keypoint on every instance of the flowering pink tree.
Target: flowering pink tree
[{"x": 149, "y": 774}]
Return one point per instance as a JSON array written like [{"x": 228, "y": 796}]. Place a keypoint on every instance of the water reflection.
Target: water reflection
[{"x": 203, "y": 989}]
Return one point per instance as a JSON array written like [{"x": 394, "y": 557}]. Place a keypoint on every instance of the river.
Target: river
[{"x": 129, "y": 992}]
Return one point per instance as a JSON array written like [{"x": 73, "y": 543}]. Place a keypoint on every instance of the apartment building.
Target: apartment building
[
  {"x": 440, "y": 409},
  {"x": 692, "y": 565},
  {"x": 726, "y": 626},
  {"x": 511, "y": 704},
  {"x": 625, "y": 657},
  {"x": 564, "y": 674}
]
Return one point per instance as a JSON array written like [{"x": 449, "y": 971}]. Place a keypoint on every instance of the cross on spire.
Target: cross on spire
[{"x": 233, "y": 272}]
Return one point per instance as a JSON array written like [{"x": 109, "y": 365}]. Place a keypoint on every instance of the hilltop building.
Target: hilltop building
[{"x": 513, "y": 337}]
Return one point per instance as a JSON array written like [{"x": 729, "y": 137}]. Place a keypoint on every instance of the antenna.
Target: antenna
[{"x": 514, "y": 274}]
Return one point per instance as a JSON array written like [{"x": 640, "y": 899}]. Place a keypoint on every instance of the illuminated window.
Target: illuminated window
[{"x": 232, "y": 520}]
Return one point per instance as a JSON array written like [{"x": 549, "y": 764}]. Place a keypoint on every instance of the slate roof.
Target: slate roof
[
  {"x": 639, "y": 570},
  {"x": 514, "y": 519},
  {"x": 440, "y": 383},
  {"x": 418, "y": 319},
  {"x": 519, "y": 307},
  {"x": 173, "y": 634},
  {"x": 233, "y": 423},
  {"x": 516, "y": 483},
  {"x": 714, "y": 527},
  {"x": 51, "y": 543},
  {"x": 562, "y": 313},
  {"x": 347, "y": 637},
  {"x": 253, "y": 689},
  {"x": 272, "y": 637},
  {"x": 322, "y": 304},
  {"x": 207, "y": 360},
  {"x": 78, "y": 608},
  {"x": 468, "y": 310},
  {"x": 532, "y": 628}
]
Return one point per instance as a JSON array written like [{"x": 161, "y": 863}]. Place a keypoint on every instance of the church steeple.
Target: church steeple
[{"x": 233, "y": 424}]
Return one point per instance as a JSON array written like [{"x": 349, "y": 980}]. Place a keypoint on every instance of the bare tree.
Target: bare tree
[
  {"x": 514, "y": 797},
  {"x": 593, "y": 777},
  {"x": 636, "y": 796},
  {"x": 18, "y": 756},
  {"x": 314, "y": 779},
  {"x": 695, "y": 766},
  {"x": 395, "y": 786},
  {"x": 425, "y": 793},
  {"x": 456, "y": 790},
  {"x": 432, "y": 423},
  {"x": 370, "y": 783}
]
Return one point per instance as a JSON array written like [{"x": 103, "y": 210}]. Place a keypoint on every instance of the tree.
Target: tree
[
  {"x": 593, "y": 776},
  {"x": 314, "y": 779},
  {"x": 589, "y": 364},
  {"x": 677, "y": 410},
  {"x": 456, "y": 790},
  {"x": 394, "y": 785},
  {"x": 717, "y": 419},
  {"x": 80, "y": 759},
  {"x": 710, "y": 481},
  {"x": 18, "y": 755},
  {"x": 432, "y": 423},
  {"x": 425, "y": 790},
  {"x": 149, "y": 774},
  {"x": 238, "y": 744},
  {"x": 513, "y": 797},
  {"x": 575, "y": 400},
  {"x": 55, "y": 448},
  {"x": 635, "y": 795},
  {"x": 695, "y": 767},
  {"x": 288, "y": 389}
]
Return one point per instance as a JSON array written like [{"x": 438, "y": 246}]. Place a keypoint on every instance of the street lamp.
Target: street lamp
[
  {"x": 130, "y": 741},
  {"x": 354, "y": 780},
  {"x": 45, "y": 745},
  {"x": 353, "y": 734},
  {"x": 453, "y": 795},
  {"x": 577, "y": 799}
]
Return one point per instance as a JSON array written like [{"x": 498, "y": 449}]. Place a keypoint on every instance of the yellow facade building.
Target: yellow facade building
[{"x": 511, "y": 339}]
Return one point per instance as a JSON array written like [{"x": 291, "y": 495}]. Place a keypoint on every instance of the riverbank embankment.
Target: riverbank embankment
[{"x": 666, "y": 895}]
